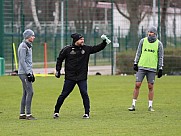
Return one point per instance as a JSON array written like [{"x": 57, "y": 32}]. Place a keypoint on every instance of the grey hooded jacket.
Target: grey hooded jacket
[
  {"x": 160, "y": 52},
  {"x": 25, "y": 58}
]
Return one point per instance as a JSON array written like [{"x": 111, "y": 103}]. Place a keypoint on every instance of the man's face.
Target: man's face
[
  {"x": 80, "y": 42},
  {"x": 31, "y": 38},
  {"x": 151, "y": 34}
]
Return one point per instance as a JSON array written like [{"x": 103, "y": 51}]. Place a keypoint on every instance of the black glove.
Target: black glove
[
  {"x": 135, "y": 67},
  {"x": 159, "y": 73},
  {"x": 57, "y": 74},
  {"x": 104, "y": 37},
  {"x": 31, "y": 77},
  {"x": 104, "y": 41}
]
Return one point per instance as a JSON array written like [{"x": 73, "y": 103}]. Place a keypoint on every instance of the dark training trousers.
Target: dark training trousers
[
  {"x": 27, "y": 94},
  {"x": 67, "y": 89}
]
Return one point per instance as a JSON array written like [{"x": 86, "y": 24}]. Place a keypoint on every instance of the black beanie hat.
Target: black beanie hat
[{"x": 76, "y": 37}]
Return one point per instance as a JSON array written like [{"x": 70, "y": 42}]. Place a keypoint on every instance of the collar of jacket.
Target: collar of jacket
[
  {"x": 77, "y": 46},
  {"x": 29, "y": 44}
]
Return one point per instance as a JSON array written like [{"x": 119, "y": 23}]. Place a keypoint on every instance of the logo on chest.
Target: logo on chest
[
  {"x": 149, "y": 50},
  {"x": 82, "y": 51},
  {"x": 73, "y": 51}
]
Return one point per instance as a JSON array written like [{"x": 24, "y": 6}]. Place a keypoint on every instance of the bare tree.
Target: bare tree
[
  {"x": 136, "y": 13},
  {"x": 79, "y": 13},
  {"x": 84, "y": 15},
  {"x": 56, "y": 16},
  {"x": 90, "y": 15},
  {"x": 35, "y": 17},
  {"x": 174, "y": 23},
  {"x": 163, "y": 21}
]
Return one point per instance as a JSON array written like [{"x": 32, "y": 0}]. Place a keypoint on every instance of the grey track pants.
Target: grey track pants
[{"x": 27, "y": 94}]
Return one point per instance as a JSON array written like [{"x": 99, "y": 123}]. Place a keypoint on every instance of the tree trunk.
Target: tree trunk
[
  {"x": 35, "y": 17},
  {"x": 133, "y": 35},
  {"x": 56, "y": 16},
  {"x": 85, "y": 15},
  {"x": 135, "y": 19},
  {"x": 163, "y": 22},
  {"x": 136, "y": 13}
]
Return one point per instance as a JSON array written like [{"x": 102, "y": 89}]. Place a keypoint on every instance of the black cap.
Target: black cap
[{"x": 76, "y": 37}]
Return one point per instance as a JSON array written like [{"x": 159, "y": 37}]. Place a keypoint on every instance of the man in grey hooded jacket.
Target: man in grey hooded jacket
[
  {"x": 148, "y": 61},
  {"x": 25, "y": 73}
]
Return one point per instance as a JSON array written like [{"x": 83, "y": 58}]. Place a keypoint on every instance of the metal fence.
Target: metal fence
[{"x": 124, "y": 21}]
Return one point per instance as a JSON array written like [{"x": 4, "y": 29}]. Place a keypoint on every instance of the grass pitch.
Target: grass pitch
[{"x": 110, "y": 96}]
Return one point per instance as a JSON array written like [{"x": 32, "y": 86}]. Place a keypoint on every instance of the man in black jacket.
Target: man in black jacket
[{"x": 76, "y": 58}]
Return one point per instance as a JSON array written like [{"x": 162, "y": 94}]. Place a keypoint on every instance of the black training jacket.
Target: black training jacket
[{"x": 76, "y": 60}]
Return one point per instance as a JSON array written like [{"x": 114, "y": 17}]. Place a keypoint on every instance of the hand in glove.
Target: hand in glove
[
  {"x": 31, "y": 77},
  {"x": 104, "y": 37},
  {"x": 57, "y": 74},
  {"x": 135, "y": 67},
  {"x": 159, "y": 73}
]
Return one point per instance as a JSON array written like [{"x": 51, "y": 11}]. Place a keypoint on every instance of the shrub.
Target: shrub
[{"x": 172, "y": 62}]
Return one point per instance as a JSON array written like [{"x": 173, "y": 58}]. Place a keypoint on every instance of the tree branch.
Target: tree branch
[
  {"x": 124, "y": 15},
  {"x": 35, "y": 17}
]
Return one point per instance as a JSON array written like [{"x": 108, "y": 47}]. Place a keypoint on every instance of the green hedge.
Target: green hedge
[{"x": 172, "y": 62}]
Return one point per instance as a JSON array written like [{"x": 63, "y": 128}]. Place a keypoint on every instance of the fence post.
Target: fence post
[
  {"x": 119, "y": 38},
  {"x": 112, "y": 34},
  {"x": 22, "y": 18},
  {"x": 66, "y": 25},
  {"x": 126, "y": 43},
  {"x": 95, "y": 36},
  {"x": 158, "y": 19},
  {"x": 62, "y": 24},
  {"x": 55, "y": 49},
  {"x": 12, "y": 30},
  {"x": 1, "y": 29}
]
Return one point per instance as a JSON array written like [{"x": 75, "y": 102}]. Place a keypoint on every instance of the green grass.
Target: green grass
[{"x": 110, "y": 97}]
